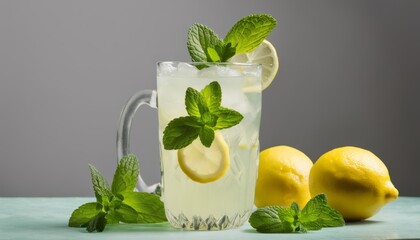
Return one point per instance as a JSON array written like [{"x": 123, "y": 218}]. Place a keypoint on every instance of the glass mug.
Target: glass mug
[{"x": 226, "y": 200}]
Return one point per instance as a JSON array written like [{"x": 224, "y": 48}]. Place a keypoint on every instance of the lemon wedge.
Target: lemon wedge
[
  {"x": 266, "y": 55},
  {"x": 202, "y": 164}
]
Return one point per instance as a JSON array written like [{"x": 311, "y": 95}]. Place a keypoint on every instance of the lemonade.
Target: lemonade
[
  {"x": 209, "y": 117},
  {"x": 225, "y": 200}
]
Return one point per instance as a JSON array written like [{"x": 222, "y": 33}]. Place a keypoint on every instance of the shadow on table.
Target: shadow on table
[
  {"x": 160, "y": 227},
  {"x": 254, "y": 231},
  {"x": 365, "y": 222}
]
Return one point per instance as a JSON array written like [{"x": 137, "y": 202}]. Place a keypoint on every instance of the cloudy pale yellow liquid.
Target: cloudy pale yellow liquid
[{"x": 226, "y": 202}]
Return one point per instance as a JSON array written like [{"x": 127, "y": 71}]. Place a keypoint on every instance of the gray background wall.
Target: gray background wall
[{"x": 349, "y": 76}]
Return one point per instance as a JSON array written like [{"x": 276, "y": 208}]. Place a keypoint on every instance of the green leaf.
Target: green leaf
[
  {"x": 225, "y": 51},
  {"x": 248, "y": 33},
  {"x": 206, "y": 136},
  {"x": 97, "y": 223},
  {"x": 288, "y": 214},
  {"x": 317, "y": 214},
  {"x": 195, "y": 103},
  {"x": 268, "y": 220},
  {"x": 213, "y": 54},
  {"x": 295, "y": 207},
  {"x": 227, "y": 118},
  {"x": 125, "y": 213},
  {"x": 84, "y": 213},
  {"x": 212, "y": 95},
  {"x": 100, "y": 186},
  {"x": 200, "y": 38},
  {"x": 180, "y": 132},
  {"x": 209, "y": 119},
  {"x": 111, "y": 219},
  {"x": 126, "y": 174},
  {"x": 149, "y": 207}
]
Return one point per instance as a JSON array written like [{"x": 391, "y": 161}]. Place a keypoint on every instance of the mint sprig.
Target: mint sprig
[
  {"x": 249, "y": 32},
  {"x": 204, "y": 45},
  {"x": 314, "y": 216},
  {"x": 118, "y": 203},
  {"x": 206, "y": 115}
]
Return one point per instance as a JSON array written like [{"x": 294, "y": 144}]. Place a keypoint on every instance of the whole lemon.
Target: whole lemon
[
  {"x": 355, "y": 180},
  {"x": 283, "y": 175}
]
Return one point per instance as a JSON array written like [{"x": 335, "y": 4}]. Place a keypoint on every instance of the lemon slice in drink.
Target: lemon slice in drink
[
  {"x": 202, "y": 164},
  {"x": 266, "y": 55}
]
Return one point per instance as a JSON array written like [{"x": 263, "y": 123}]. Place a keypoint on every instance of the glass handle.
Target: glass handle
[{"x": 148, "y": 97}]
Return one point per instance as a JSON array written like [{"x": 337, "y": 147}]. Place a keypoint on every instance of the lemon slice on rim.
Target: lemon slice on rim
[
  {"x": 266, "y": 55},
  {"x": 202, "y": 164}
]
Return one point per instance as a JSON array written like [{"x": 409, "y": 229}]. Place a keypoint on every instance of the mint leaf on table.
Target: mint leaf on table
[
  {"x": 84, "y": 213},
  {"x": 125, "y": 213},
  {"x": 126, "y": 174},
  {"x": 149, "y": 206},
  {"x": 272, "y": 219},
  {"x": 206, "y": 115},
  {"x": 97, "y": 223},
  {"x": 200, "y": 38},
  {"x": 314, "y": 216},
  {"x": 317, "y": 214},
  {"x": 100, "y": 186},
  {"x": 249, "y": 32},
  {"x": 118, "y": 203}
]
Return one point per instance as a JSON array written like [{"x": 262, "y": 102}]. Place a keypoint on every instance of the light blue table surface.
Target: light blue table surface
[{"x": 46, "y": 218}]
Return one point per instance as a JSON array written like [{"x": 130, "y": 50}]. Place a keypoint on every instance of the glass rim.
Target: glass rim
[{"x": 212, "y": 63}]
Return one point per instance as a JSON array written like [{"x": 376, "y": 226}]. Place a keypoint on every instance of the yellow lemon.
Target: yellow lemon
[
  {"x": 356, "y": 182},
  {"x": 266, "y": 55},
  {"x": 283, "y": 174},
  {"x": 202, "y": 164}
]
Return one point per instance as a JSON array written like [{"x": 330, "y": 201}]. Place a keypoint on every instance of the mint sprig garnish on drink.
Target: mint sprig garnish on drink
[
  {"x": 118, "y": 202},
  {"x": 314, "y": 216},
  {"x": 205, "y": 115},
  {"x": 204, "y": 45}
]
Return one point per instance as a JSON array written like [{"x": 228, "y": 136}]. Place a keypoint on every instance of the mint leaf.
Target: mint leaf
[
  {"x": 249, "y": 32},
  {"x": 148, "y": 206},
  {"x": 206, "y": 135},
  {"x": 84, "y": 213},
  {"x": 314, "y": 216},
  {"x": 227, "y": 118},
  {"x": 100, "y": 186},
  {"x": 295, "y": 207},
  {"x": 226, "y": 51},
  {"x": 317, "y": 214},
  {"x": 221, "y": 52},
  {"x": 212, "y": 95},
  {"x": 209, "y": 119},
  {"x": 125, "y": 213},
  {"x": 200, "y": 38},
  {"x": 206, "y": 116},
  {"x": 213, "y": 54},
  {"x": 97, "y": 223},
  {"x": 180, "y": 132},
  {"x": 268, "y": 220},
  {"x": 125, "y": 206},
  {"x": 195, "y": 103},
  {"x": 110, "y": 219},
  {"x": 126, "y": 174}
]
